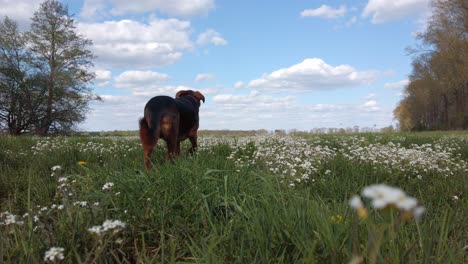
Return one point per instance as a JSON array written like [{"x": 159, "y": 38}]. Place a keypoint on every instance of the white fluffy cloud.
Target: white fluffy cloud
[
  {"x": 253, "y": 101},
  {"x": 312, "y": 74},
  {"x": 139, "y": 79},
  {"x": 325, "y": 11},
  {"x": 19, "y": 10},
  {"x": 396, "y": 85},
  {"x": 185, "y": 8},
  {"x": 211, "y": 36},
  {"x": 103, "y": 77},
  {"x": 132, "y": 44},
  {"x": 370, "y": 105},
  {"x": 203, "y": 77},
  {"x": 384, "y": 10}
]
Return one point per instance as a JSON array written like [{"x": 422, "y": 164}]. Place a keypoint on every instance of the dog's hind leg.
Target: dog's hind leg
[
  {"x": 149, "y": 139},
  {"x": 170, "y": 132}
]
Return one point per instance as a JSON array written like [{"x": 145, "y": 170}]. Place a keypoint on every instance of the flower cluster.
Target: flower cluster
[
  {"x": 107, "y": 186},
  {"x": 108, "y": 225},
  {"x": 415, "y": 161},
  {"x": 295, "y": 160},
  {"x": 383, "y": 196},
  {"x": 10, "y": 219},
  {"x": 53, "y": 254}
]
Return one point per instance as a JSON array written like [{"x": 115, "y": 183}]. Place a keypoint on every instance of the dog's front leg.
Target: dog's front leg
[{"x": 193, "y": 140}]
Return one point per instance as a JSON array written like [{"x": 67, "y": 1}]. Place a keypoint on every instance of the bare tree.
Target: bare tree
[
  {"x": 437, "y": 95},
  {"x": 20, "y": 87}
]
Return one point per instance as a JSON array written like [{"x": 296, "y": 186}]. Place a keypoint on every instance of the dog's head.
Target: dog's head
[{"x": 195, "y": 94}]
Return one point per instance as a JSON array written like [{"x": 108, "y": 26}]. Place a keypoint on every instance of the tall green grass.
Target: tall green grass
[{"x": 205, "y": 209}]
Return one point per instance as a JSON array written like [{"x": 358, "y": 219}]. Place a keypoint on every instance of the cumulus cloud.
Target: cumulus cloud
[
  {"x": 184, "y": 8},
  {"x": 311, "y": 75},
  {"x": 325, "y": 11},
  {"x": 19, "y": 10},
  {"x": 103, "y": 77},
  {"x": 203, "y": 77},
  {"x": 253, "y": 101},
  {"x": 139, "y": 79},
  {"x": 133, "y": 44},
  {"x": 397, "y": 85},
  {"x": 211, "y": 36},
  {"x": 370, "y": 105},
  {"x": 383, "y": 10}
]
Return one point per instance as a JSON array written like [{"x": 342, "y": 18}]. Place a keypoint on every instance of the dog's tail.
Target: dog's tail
[{"x": 147, "y": 133}]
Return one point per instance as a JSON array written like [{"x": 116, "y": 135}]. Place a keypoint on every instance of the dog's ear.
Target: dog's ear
[
  {"x": 199, "y": 96},
  {"x": 180, "y": 93}
]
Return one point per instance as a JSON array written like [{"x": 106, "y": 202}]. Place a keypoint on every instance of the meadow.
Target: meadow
[{"x": 240, "y": 199}]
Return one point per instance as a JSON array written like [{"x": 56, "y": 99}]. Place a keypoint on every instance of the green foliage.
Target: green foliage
[
  {"x": 211, "y": 208},
  {"x": 44, "y": 73}
]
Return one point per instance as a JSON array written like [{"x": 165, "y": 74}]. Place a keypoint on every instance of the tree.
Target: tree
[
  {"x": 19, "y": 87},
  {"x": 63, "y": 58},
  {"x": 437, "y": 95}
]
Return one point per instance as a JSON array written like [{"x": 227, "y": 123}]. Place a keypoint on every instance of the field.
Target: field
[{"x": 240, "y": 199}]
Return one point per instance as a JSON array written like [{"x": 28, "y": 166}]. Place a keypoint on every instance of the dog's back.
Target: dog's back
[
  {"x": 173, "y": 120},
  {"x": 160, "y": 120}
]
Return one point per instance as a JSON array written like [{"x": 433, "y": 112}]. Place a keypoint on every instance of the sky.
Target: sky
[{"x": 297, "y": 64}]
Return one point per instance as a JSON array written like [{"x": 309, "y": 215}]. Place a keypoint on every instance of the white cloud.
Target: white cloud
[
  {"x": 384, "y": 10},
  {"x": 19, "y": 10},
  {"x": 132, "y": 44},
  {"x": 325, "y": 11},
  {"x": 253, "y": 101},
  {"x": 184, "y": 8},
  {"x": 370, "y": 105},
  {"x": 311, "y": 75},
  {"x": 211, "y": 36},
  {"x": 239, "y": 85},
  {"x": 139, "y": 79},
  {"x": 103, "y": 77},
  {"x": 397, "y": 85},
  {"x": 203, "y": 77}
]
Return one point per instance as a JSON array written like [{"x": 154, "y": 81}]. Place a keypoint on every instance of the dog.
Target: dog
[{"x": 173, "y": 120}]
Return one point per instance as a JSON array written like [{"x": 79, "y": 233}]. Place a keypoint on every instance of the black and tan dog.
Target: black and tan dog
[{"x": 173, "y": 120}]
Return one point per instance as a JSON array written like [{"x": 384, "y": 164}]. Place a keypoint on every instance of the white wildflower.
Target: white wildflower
[
  {"x": 355, "y": 202},
  {"x": 56, "y": 168},
  {"x": 54, "y": 253},
  {"x": 107, "y": 186}
]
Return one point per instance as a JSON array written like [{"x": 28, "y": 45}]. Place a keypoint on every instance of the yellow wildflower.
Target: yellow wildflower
[{"x": 81, "y": 162}]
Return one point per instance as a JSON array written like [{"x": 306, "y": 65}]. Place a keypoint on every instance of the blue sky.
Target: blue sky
[{"x": 261, "y": 64}]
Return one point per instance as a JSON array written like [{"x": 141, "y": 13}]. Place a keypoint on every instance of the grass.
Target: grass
[{"x": 210, "y": 209}]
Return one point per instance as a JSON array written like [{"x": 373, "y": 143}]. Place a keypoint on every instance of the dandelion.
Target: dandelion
[
  {"x": 54, "y": 253},
  {"x": 81, "y": 162},
  {"x": 336, "y": 218}
]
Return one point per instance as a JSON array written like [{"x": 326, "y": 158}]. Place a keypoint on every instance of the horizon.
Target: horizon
[{"x": 262, "y": 65}]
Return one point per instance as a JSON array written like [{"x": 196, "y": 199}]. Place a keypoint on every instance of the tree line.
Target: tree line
[
  {"x": 437, "y": 94},
  {"x": 44, "y": 73}
]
